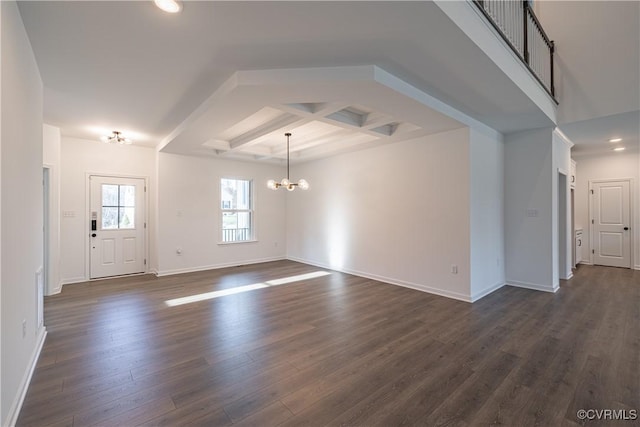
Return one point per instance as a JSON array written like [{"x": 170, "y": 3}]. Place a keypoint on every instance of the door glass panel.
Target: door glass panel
[
  {"x": 127, "y": 217},
  {"x": 118, "y": 206},
  {"x": 127, "y": 195},
  {"x": 109, "y": 195},
  {"x": 109, "y": 218}
]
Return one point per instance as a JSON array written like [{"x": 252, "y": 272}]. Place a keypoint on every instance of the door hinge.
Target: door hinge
[
  {"x": 593, "y": 251},
  {"x": 592, "y": 222},
  {"x": 145, "y": 225},
  {"x": 145, "y": 188},
  {"x": 591, "y": 191},
  {"x": 145, "y": 261}
]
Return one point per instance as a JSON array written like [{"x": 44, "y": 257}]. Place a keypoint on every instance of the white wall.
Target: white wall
[
  {"x": 79, "y": 157},
  {"x": 529, "y": 236},
  {"x": 487, "y": 212},
  {"x": 189, "y": 214},
  {"x": 561, "y": 252},
  {"x": 613, "y": 166},
  {"x": 51, "y": 160},
  {"x": 21, "y": 178},
  {"x": 398, "y": 213}
]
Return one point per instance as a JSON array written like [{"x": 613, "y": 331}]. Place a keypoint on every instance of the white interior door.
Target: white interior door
[
  {"x": 116, "y": 226},
  {"x": 611, "y": 229}
]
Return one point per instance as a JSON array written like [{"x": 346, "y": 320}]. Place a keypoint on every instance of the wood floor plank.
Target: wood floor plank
[
  {"x": 468, "y": 399},
  {"x": 334, "y": 350}
]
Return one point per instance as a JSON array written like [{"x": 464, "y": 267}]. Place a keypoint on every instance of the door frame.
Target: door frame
[
  {"x": 631, "y": 216},
  {"x": 87, "y": 209}
]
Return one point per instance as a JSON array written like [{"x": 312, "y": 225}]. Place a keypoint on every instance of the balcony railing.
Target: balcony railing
[
  {"x": 520, "y": 28},
  {"x": 236, "y": 234}
]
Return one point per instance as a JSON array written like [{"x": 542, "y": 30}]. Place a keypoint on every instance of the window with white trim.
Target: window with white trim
[{"x": 236, "y": 206}]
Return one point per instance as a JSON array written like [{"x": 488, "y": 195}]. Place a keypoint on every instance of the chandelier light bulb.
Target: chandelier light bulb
[
  {"x": 271, "y": 184},
  {"x": 285, "y": 182},
  {"x": 303, "y": 184},
  {"x": 291, "y": 187}
]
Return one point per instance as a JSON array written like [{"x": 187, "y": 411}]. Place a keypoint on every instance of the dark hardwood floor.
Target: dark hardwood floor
[{"x": 335, "y": 350}]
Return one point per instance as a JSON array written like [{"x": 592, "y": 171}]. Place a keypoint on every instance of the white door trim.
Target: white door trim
[
  {"x": 87, "y": 209},
  {"x": 631, "y": 214}
]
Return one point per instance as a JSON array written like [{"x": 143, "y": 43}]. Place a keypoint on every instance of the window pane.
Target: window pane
[
  {"x": 243, "y": 195},
  {"x": 109, "y": 195},
  {"x": 229, "y": 220},
  {"x": 109, "y": 218},
  {"x": 227, "y": 193},
  {"x": 127, "y": 218},
  {"x": 235, "y": 194},
  {"x": 244, "y": 220},
  {"x": 236, "y": 226},
  {"x": 127, "y": 195}
]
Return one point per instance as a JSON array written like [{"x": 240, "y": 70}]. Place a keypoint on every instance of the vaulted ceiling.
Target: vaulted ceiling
[{"x": 229, "y": 78}]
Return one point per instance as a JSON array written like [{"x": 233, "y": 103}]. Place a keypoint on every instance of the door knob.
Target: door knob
[
  {"x": 626, "y": 228},
  {"x": 93, "y": 235}
]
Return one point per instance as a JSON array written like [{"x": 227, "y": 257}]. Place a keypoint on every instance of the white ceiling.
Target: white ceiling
[
  {"x": 597, "y": 71},
  {"x": 161, "y": 78},
  {"x": 594, "y": 135}
]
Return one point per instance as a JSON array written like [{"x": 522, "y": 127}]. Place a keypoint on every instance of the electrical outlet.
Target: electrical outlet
[
  {"x": 24, "y": 328},
  {"x": 454, "y": 269}
]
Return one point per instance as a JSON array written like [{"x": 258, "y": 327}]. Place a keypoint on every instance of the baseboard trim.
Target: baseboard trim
[
  {"x": 389, "y": 280},
  {"x": 490, "y": 289},
  {"x": 533, "y": 286},
  {"x": 72, "y": 280},
  {"x": 14, "y": 410},
  {"x": 636, "y": 267},
  {"x": 161, "y": 273}
]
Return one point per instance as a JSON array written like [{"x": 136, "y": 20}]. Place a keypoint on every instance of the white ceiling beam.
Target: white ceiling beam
[{"x": 249, "y": 138}]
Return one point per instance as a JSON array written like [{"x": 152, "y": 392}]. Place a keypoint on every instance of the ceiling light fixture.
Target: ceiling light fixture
[
  {"x": 285, "y": 182},
  {"x": 615, "y": 140},
  {"x": 618, "y": 149},
  {"x": 116, "y": 137},
  {"x": 169, "y": 6}
]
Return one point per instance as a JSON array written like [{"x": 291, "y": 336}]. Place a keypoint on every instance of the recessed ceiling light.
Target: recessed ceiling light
[
  {"x": 618, "y": 149},
  {"x": 615, "y": 140},
  {"x": 169, "y": 6}
]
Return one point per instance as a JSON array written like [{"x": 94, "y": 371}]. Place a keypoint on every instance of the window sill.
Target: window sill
[{"x": 236, "y": 243}]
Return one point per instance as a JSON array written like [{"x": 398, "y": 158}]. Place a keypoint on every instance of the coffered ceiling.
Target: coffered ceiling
[{"x": 335, "y": 110}]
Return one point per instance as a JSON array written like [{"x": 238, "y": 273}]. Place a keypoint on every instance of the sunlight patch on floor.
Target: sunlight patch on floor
[{"x": 247, "y": 288}]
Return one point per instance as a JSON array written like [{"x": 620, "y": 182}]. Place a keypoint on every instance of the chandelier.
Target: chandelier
[
  {"x": 116, "y": 137},
  {"x": 286, "y": 182}
]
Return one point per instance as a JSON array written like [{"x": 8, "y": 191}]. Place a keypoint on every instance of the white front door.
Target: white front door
[
  {"x": 116, "y": 226},
  {"x": 611, "y": 228}
]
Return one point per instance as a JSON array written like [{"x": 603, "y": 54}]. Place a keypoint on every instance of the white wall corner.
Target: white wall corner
[
  {"x": 488, "y": 290},
  {"x": 534, "y": 286}
]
